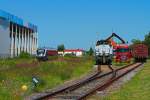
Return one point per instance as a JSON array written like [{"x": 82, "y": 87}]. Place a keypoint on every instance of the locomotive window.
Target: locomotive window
[
  {"x": 102, "y": 42},
  {"x": 40, "y": 51},
  {"x": 122, "y": 50}
]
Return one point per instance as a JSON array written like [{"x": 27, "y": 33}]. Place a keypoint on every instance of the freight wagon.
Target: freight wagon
[{"x": 140, "y": 52}]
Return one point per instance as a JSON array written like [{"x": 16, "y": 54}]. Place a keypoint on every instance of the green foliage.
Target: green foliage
[
  {"x": 147, "y": 39},
  {"x": 90, "y": 52},
  {"x": 24, "y": 55},
  {"x": 136, "y": 41},
  {"x": 61, "y": 47},
  {"x": 136, "y": 89},
  {"x": 50, "y": 74},
  {"x": 52, "y": 57}
]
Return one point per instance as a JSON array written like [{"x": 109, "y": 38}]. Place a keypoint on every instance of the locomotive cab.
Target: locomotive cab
[
  {"x": 122, "y": 53},
  {"x": 103, "y": 53},
  {"x": 41, "y": 54}
]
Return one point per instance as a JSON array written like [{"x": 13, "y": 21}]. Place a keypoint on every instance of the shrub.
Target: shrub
[
  {"x": 24, "y": 55},
  {"x": 70, "y": 55}
]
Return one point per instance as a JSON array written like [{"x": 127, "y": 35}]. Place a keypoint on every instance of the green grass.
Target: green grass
[
  {"x": 120, "y": 64},
  {"x": 14, "y": 74},
  {"x": 136, "y": 89}
]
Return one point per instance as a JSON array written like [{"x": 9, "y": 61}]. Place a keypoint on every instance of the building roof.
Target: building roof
[
  {"x": 17, "y": 20},
  {"x": 73, "y": 50}
]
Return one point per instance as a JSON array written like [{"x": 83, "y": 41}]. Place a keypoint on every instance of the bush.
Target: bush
[
  {"x": 24, "y": 55},
  {"x": 52, "y": 57},
  {"x": 70, "y": 55}
]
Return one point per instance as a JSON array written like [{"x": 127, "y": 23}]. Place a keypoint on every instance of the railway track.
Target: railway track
[{"x": 82, "y": 89}]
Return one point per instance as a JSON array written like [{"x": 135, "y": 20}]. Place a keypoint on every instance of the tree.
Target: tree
[
  {"x": 61, "y": 47},
  {"x": 147, "y": 41},
  {"x": 136, "y": 41},
  {"x": 91, "y": 51}
]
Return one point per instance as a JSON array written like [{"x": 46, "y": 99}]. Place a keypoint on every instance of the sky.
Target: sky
[{"x": 80, "y": 23}]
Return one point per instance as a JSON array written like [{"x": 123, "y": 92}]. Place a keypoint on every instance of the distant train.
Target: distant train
[
  {"x": 103, "y": 53},
  {"x": 139, "y": 52},
  {"x": 44, "y": 53}
]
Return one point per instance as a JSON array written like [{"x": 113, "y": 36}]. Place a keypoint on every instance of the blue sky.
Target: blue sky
[{"x": 79, "y": 23}]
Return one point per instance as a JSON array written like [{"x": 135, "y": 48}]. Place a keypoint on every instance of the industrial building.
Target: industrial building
[
  {"x": 16, "y": 36},
  {"x": 75, "y": 52}
]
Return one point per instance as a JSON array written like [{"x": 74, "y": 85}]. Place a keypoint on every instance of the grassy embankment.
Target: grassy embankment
[
  {"x": 17, "y": 72},
  {"x": 136, "y": 89}
]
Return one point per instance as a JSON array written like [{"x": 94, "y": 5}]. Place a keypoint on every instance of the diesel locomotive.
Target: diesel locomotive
[{"x": 103, "y": 53}]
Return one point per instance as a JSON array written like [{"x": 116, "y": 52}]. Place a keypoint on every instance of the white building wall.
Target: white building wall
[
  {"x": 15, "y": 38},
  {"x": 5, "y": 45},
  {"x": 80, "y": 53},
  {"x": 77, "y": 53}
]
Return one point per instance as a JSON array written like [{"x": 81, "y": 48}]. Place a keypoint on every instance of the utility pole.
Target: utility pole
[{"x": 97, "y": 35}]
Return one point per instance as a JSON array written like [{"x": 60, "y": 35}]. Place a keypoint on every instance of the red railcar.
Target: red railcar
[
  {"x": 52, "y": 52},
  {"x": 121, "y": 50},
  {"x": 140, "y": 52},
  {"x": 122, "y": 53}
]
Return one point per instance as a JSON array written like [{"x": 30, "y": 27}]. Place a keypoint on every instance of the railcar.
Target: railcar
[
  {"x": 122, "y": 53},
  {"x": 121, "y": 50},
  {"x": 140, "y": 52},
  {"x": 43, "y": 53}
]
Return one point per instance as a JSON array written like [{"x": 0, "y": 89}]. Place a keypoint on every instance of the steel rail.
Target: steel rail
[
  {"x": 93, "y": 78},
  {"x": 64, "y": 89},
  {"x": 79, "y": 84},
  {"x": 108, "y": 83}
]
